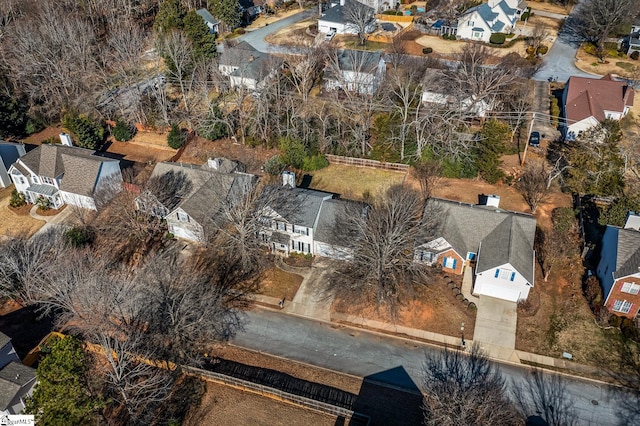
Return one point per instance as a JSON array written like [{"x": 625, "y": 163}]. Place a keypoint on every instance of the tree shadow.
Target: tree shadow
[{"x": 26, "y": 328}]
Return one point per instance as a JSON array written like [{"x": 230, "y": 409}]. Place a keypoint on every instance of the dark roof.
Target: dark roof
[
  {"x": 359, "y": 60},
  {"x": 237, "y": 55},
  {"x": 336, "y": 13},
  {"x": 13, "y": 376},
  {"x": 9, "y": 153},
  {"x": 334, "y": 225},
  {"x": 628, "y": 253},
  {"x": 298, "y": 206},
  {"x": 248, "y": 61},
  {"x": 591, "y": 97},
  {"x": 503, "y": 236},
  {"x": 78, "y": 167}
]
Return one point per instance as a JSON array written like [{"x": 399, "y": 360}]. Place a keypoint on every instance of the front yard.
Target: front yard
[
  {"x": 615, "y": 64},
  {"x": 16, "y": 222}
]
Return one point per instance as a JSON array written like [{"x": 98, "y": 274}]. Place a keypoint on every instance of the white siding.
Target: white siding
[
  {"x": 487, "y": 284},
  {"x": 78, "y": 200}
]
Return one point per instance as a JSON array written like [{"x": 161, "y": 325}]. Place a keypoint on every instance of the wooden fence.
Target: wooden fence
[
  {"x": 277, "y": 394},
  {"x": 395, "y": 18},
  {"x": 364, "y": 162}
]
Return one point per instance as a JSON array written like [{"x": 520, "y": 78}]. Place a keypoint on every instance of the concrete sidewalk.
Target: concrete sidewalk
[{"x": 51, "y": 221}]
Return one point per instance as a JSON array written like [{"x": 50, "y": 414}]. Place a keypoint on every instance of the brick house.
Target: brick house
[{"x": 619, "y": 268}]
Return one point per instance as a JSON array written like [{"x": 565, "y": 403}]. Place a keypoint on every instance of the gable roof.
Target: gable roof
[
  {"x": 628, "y": 253},
  {"x": 359, "y": 61},
  {"x": 484, "y": 11},
  {"x": 333, "y": 225},
  {"x": 13, "y": 376},
  {"x": 337, "y": 12},
  {"x": 503, "y": 236},
  {"x": 248, "y": 61},
  {"x": 591, "y": 97},
  {"x": 9, "y": 153},
  {"x": 4, "y": 339},
  {"x": 298, "y": 206},
  {"x": 78, "y": 167},
  {"x": 207, "y": 16}
]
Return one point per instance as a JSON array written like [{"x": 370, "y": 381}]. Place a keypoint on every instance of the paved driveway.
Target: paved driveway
[
  {"x": 256, "y": 37},
  {"x": 496, "y": 321}
]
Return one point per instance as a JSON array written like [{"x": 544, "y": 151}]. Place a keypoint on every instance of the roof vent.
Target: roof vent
[
  {"x": 17, "y": 376},
  {"x": 65, "y": 139},
  {"x": 289, "y": 178},
  {"x": 490, "y": 200}
]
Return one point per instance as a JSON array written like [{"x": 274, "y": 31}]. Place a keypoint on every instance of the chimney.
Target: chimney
[
  {"x": 65, "y": 139},
  {"x": 490, "y": 200},
  {"x": 342, "y": 2},
  {"x": 289, "y": 178},
  {"x": 213, "y": 163}
]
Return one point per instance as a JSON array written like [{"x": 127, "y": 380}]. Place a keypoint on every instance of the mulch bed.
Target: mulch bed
[{"x": 22, "y": 210}]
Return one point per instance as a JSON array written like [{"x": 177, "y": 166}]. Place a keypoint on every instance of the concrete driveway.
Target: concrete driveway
[
  {"x": 559, "y": 63},
  {"x": 311, "y": 299},
  {"x": 496, "y": 321}
]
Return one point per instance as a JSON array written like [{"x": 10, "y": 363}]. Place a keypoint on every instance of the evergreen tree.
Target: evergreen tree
[
  {"x": 13, "y": 118},
  {"x": 494, "y": 136},
  {"x": 204, "y": 43},
  {"x": 175, "y": 138},
  {"x": 122, "y": 132},
  {"x": 170, "y": 15},
  {"x": 293, "y": 152},
  {"x": 61, "y": 396},
  {"x": 228, "y": 11}
]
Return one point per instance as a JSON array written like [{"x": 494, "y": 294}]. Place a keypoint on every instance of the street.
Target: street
[
  {"x": 362, "y": 354},
  {"x": 256, "y": 37}
]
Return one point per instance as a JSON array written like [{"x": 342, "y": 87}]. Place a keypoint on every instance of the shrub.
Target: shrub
[
  {"x": 427, "y": 50},
  {"x": 43, "y": 203},
  {"x": 628, "y": 328},
  {"x": 51, "y": 140},
  {"x": 239, "y": 31},
  {"x": 274, "y": 165},
  {"x": 17, "y": 199},
  {"x": 293, "y": 152},
  {"x": 34, "y": 126},
  {"x": 635, "y": 55},
  {"x": 497, "y": 38},
  {"x": 78, "y": 236},
  {"x": 542, "y": 50},
  {"x": 555, "y": 110},
  {"x": 315, "y": 162},
  {"x": 175, "y": 138},
  {"x": 615, "y": 321},
  {"x": 524, "y": 16},
  {"x": 123, "y": 132}
]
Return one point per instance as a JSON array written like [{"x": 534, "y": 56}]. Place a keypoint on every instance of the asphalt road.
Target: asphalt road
[
  {"x": 386, "y": 359},
  {"x": 559, "y": 62},
  {"x": 256, "y": 37}
]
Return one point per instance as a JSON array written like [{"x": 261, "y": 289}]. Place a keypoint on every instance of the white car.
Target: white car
[{"x": 330, "y": 35}]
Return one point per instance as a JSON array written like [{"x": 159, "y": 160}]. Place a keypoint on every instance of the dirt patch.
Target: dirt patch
[
  {"x": 224, "y": 405},
  {"x": 13, "y": 223},
  {"x": 354, "y": 182},
  {"x": 293, "y": 35},
  {"x": 278, "y": 283},
  {"x": 548, "y": 7},
  {"x": 49, "y": 132},
  {"x": 139, "y": 152},
  {"x": 434, "y": 308},
  {"x": 199, "y": 150}
]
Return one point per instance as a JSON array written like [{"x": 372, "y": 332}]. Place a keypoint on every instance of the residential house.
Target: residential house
[
  {"x": 466, "y": 105},
  {"x": 334, "y": 235},
  {"x": 209, "y": 188},
  {"x": 9, "y": 154},
  {"x": 335, "y": 19},
  {"x": 495, "y": 16},
  {"x": 248, "y": 68},
  {"x": 498, "y": 244},
  {"x": 619, "y": 268},
  {"x": 589, "y": 101},
  {"x": 65, "y": 175},
  {"x": 16, "y": 380},
  {"x": 212, "y": 22},
  {"x": 355, "y": 71}
]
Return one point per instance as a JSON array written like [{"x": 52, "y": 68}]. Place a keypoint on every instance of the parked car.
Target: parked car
[
  {"x": 534, "y": 139},
  {"x": 330, "y": 35}
]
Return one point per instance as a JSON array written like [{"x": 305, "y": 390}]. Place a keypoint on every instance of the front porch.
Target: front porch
[{"x": 49, "y": 192}]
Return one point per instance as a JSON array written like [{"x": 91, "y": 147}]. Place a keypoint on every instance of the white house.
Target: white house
[
  {"x": 466, "y": 105},
  {"x": 9, "y": 154},
  {"x": 355, "y": 71},
  {"x": 495, "y": 16},
  {"x": 65, "y": 175},
  {"x": 336, "y": 20},
  {"x": 246, "y": 67},
  {"x": 589, "y": 101},
  {"x": 212, "y": 23},
  {"x": 498, "y": 244}
]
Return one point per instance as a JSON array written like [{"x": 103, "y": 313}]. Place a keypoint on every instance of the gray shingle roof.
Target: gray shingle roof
[
  {"x": 80, "y": 167},
  {"x": 207, "y": 16},
  {"x": 505, "y": 237},
  {"x": 359, "y": 60},
  {"x": 628, "y": 253},
  {"x": 12, "y": 377},
  {"x": 4, "y": 339},
  {"x": 336, "y": 13},
  {"x": 248, "y": 61},
  {"x": 298, "y": 206},
  {"x": 333, "y": 223},
  {"x": 484, "y": 11}
]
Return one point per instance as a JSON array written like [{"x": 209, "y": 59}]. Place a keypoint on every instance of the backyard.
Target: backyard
[{"x": 354, "y": 182}]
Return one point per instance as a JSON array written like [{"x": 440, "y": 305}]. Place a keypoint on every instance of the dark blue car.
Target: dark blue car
[{"x": 534, "y": 139}]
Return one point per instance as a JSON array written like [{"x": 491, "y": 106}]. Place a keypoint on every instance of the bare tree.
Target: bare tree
[
  {"x": 560, "y": 243},
  {"x": 597, "y": 19},
  {"x": 532, "y": 184},
  {"x": 382, "y": 264},
  {"x": 427, "y": 172},
  {"x": 545, "y": 395},
  {"x": 359, "y": 18},
  {"x": 463, "y": 388},
  {"x": 537, "y": 36}
]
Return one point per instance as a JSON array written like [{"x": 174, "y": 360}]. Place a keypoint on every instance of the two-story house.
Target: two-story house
[
  {"x": 247, "y": 67},
  {"x": 65, "y": 175},
  {"x": 495, "y": 16},
  {"x": 336, "y": 19},
  {"x": 497, "y": 244},
  {"x": 355, "y": 71},
  {"x": 9, "y": 154},
  {"x": 619, "y": 267}
]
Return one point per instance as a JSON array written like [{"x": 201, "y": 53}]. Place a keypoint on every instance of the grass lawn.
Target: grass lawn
[
  {"x": 16, "y": 222},
  {"x": 354, "y": 182},
  {"x": 351, "y": 42},
  {"x": 279, "y": 283}
]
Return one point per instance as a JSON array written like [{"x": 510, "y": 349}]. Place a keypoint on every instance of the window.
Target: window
[
  {"x": 426, "y": 256},
  {"x": 450, "y": 262},
  {"x": 282, "y": 226},
  {"x": 47, "y": 180},
  {"x": 505, "y": 274},
  {"x": 300, "y": 230},
  {"x": 622, "y": 306},
  {"x": 631, "y": 288},
  {"x": 183, "y": 217}
]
